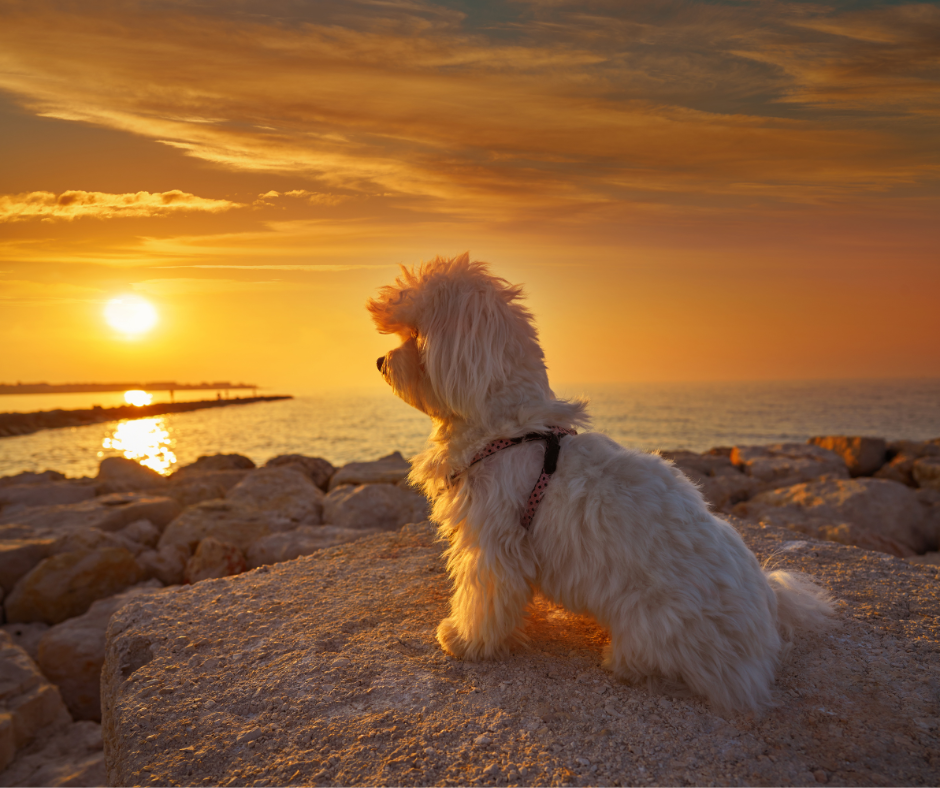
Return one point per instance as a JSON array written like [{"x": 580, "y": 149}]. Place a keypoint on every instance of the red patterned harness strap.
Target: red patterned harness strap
[{"x": 548, "y": 466}]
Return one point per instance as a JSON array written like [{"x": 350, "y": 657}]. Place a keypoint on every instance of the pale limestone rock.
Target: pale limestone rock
[
  {"x": 282, "y": 492},
  {"x": 785, "y": 464},
  {"x": 326, "y": 670},
  {"x": 317, "y": 469},
  {"x": 106, "y": 513},
  {"x": 884, "y": 509},
  {"x": 381, "y": 506},
  {"x": 19, "y": 556},
  {"x": 926, "y": 472},
  {"x": 68, "y": 755},
  {"x": 71, "y": 653},
  {"x": 275, "y": 548},
  {"x": 214, "y": 462},
  {"x": 31, "y": 702},
  {"x": 119, "y": 474},
  {"x": 194, "y": 487},
  {"x": 228, "y": 521},
  {"x": 903, "y": 454},
  {"x": 728, "y": 488},
  {"x": 214, "y": 558},
  {"x": 862, "y": 456},
  {"x": 64, "y": 585},
  {"x": 27, "y": 636},
  {"x": 390, "y": 469},
  {"x": 167, "y": 564},
  {"x": 141, "y": 532},
  {"x": 49, "y": 494}
]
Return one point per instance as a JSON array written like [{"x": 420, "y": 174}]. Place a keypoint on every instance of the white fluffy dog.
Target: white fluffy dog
[{"x": 620, "y": 535}]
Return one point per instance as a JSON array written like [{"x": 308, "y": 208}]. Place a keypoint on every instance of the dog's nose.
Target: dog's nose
[{"x": 380, "y": 363}]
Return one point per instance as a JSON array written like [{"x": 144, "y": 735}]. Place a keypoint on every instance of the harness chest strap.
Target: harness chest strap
[{"x": 552, "y": 449}]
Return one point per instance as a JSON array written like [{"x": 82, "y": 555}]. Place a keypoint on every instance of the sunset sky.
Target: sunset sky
[{"x": 689, "y": 191}]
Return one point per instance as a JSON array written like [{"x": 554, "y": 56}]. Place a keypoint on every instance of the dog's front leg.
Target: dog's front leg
[{"x": 487, "y": 610}]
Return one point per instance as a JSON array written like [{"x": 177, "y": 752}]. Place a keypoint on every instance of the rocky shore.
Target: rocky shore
[
  {"x": 26, "y": 423},
  {"x": 238, "y": 625}
]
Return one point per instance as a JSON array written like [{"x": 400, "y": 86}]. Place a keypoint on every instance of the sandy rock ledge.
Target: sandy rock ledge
[{"x": 324, "y": 670}]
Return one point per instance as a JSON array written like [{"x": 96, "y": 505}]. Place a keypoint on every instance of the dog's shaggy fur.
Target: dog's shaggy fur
[{"x": 621, "y": 535}]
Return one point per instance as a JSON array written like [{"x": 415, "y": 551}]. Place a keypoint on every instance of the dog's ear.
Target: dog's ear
[
  {"x": 475, "y": 336},
  {"x": 394, "y": 310}
]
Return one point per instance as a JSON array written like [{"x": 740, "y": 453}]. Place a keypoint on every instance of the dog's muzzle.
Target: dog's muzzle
[{"x": 380, "y": 363}]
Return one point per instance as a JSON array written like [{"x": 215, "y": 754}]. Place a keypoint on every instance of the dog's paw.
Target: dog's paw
[{"x": 450, "y": 639}]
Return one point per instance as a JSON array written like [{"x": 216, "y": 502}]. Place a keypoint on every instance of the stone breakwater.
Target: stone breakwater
[
  {"x": 26, "y": 423},
  {"x": 235, "y": 624}
]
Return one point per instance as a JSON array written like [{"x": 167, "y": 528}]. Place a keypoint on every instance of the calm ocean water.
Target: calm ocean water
[{"x": 350, "y": 426}]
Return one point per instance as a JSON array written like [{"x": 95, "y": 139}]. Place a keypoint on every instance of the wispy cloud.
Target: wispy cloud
[
  {"x": 561, "y": 108},
  {"x": 78, "y": 204}
]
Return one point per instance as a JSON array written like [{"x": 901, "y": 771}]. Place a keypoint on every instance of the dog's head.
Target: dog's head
[{"x": 469, "y": 346}]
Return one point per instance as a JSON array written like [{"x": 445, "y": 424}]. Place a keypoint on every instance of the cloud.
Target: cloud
[
  {"x": 550, "y": 110},
  {"x": 76, "y": 204},
  {"x": 313, "y": 198}
]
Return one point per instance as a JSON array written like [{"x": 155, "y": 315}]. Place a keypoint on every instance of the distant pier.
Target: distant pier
[{"x": 25, "y": 423}]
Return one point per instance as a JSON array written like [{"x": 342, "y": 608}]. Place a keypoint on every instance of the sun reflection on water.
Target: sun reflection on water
[{"x": 146, "y": 440}]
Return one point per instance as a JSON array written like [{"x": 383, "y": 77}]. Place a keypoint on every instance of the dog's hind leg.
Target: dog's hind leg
[{"x": 487, "y": 610}]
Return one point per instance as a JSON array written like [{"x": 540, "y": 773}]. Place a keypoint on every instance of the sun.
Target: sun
[{"x": 130, "y": 314}]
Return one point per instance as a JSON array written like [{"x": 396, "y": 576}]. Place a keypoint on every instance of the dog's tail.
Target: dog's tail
[{"x": 801, "y": 604}]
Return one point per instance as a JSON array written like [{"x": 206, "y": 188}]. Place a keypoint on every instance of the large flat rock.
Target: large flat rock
[{"x": 325, "y": 670}]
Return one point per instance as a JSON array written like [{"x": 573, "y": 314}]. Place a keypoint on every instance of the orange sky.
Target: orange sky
[{"x": 689, "y": 191}]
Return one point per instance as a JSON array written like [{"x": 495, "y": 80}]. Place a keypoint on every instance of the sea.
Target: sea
[{"x": 347, "y": 426}]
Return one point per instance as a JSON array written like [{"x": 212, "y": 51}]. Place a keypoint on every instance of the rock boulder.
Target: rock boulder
[
  {"x": 326, "y": 670},
  {"x": 119, "y": 474},
  {"x": 65, "y": 585},
  {"x": 785, "y": 464},
  {"x": 380, "y": 506},
  {"x": 390, "y": 469},
  {"x": 28, "y": 702},
  {"x": 883, "y": 509},
  {"x": 71, "y": 653},
  {"x": 283, "y": 492},
  {"x": 862, "y": 456},
  {"x": 318, "y": 470},
  {"x": 275, "y": 548}
]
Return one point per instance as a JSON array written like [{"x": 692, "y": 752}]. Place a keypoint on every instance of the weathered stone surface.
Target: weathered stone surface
[
  {"x": 390, "y": 469},
  {"x": 326, "y": 670},
  {"x": 903, "y": 454},
  {"x": 71, "y": 654},
  {"x": 275, "y": 548},
  {"x": 862, "y": 456},
  {"x": 317, "y": 469},
  {"x": 190, "y": 488},
  {"x": 785, "y": 464},
  {"x": 214, "y": 558},
  {"x": 284, "y": 492},
  {"x": 119, "y": 474},
  {"x": 18, "y": 557},
  {"x": 50, "y": 494},
  {"x": 167, "y": 564},
  {"x": 64, "y": 585},
  {"x": 29, "y": 477},
  {"x": 106, "y": 513},
  {"x": 720, "y": 482},
  {"x": 27, "y": 636},
  {"x": 926, "y": 472},
  {"x": 31, "y": 702},
  {"x": 383, "y": 506},
  {"x": 228, "y": 521},
  {"x": 215, "y": 462},
  {"x": 68, "y": 755},
  {"x": 884, "y": 509}
]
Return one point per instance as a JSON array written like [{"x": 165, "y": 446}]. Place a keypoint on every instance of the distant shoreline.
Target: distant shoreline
[
  {"x": 12, "y": 424},
  {"x": 83, "y": 388}
]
